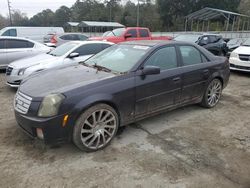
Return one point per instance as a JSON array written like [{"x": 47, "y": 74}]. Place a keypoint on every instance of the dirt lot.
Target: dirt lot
[{"x": 189, "y": 147}]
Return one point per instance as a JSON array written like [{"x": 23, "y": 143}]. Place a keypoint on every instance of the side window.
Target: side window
[
  {"x": 66, "y": 37},
  {"x": 82, "y": 37},
  {"x": 190, "y": 55},
  {"x": 213, "y": 39},
  {"x": 133, "y": 33},
  {"x": 10, "y": 32},
  {"x": 18, "y": 44},
  {"x": 204, "y": 40},
  {"x": 165, "y": 58},
  {"x": 74, "y": 37},
  {"x": 89, "y": 49},
  {"x": 104, "y": 46},
  {"x": 1, "y": 44},
  {"x": 144, "y": 33}
]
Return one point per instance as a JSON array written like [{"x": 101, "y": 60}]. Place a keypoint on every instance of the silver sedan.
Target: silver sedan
[
  {"x": 15, "y": 48},
  {"x": 68, "y": 54}
]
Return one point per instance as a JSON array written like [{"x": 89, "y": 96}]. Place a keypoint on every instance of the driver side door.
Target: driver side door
[{"x": 160, "y": 91}]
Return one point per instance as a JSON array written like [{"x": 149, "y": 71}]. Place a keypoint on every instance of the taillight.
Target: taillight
[{"x": 53, "y": 39}]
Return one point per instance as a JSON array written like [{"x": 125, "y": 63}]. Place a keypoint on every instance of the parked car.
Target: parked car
[
  {"x": 68, "y": 54},
  {"x": 129, "y": 34},
  {"x": 234, "y": 43},
  {"x": 122, "y": 84},
  {"x": 13, "y": 48},
  {"x": 240, "y": 57},
  {"x": 58, "y": 40},
  {"x": 33, "y": 33},
  {"x": 212, "y": 42}
]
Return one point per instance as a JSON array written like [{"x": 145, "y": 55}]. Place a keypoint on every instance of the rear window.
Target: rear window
[
  {"x": 144, "y": 33},
  {"x": 13, "y": 43}
]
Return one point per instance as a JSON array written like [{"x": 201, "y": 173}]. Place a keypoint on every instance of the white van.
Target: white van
[{"x": 33, "y": 33}]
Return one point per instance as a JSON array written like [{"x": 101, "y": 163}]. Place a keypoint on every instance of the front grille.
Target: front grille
[
  {"x": 9, "y": 70},
  {"x": 244, "y": 57},
  {"x": 239, "y": 67},
  {"x": 22, "y": 103}
]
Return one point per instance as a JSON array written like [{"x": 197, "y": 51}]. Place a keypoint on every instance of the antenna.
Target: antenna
[{"x": 9, "y": 12}]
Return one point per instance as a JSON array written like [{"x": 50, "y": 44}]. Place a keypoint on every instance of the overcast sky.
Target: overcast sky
[{"x": 31, "y": 7}]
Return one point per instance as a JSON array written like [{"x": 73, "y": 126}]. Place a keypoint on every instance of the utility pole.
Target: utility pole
[
  {"x": 9, "y": 12},
  {"x": 138, "y": 14}
]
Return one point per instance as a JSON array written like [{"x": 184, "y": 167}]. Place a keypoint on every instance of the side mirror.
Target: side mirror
[
  {"x": 73, "y": 55},
  {"x": 150, "y": 70},
  {"x": 128, "y": 35}
]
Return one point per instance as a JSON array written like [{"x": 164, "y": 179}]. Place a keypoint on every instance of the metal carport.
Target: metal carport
[{"x": 207, "y": 14}]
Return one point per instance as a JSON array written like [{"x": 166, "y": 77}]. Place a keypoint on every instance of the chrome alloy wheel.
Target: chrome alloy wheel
[
  {"x": 98, "y": 129},
  {"x": 214, "y": 92}
]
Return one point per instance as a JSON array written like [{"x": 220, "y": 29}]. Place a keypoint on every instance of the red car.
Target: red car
[{"x": 129, "y": 34}]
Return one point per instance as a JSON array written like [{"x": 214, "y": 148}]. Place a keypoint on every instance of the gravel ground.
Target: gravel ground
[{"x": 190, "y": 147}]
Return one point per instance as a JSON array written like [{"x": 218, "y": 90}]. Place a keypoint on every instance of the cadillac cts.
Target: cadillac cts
[{"x": 127, "y": 82}]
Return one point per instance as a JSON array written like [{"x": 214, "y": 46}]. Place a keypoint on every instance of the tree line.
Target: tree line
[{"x": 158, "y": 15}]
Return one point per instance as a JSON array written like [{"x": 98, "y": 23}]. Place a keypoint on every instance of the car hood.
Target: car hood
[
  {"x": 35, "y": 60},
  {"x": 243, "y": 50},
  {"x": 61, "y": 80}
]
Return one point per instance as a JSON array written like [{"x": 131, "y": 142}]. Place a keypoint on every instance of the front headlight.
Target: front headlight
[
  {"x": 50, "y": 105},
  {"x": 21, "y": 72},
  {"x": 234, "y": 55}
]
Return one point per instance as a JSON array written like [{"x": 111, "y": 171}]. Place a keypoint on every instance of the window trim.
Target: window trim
[
  {"x": 140, "y": 67},
  {"x": 181, "y": 58}
]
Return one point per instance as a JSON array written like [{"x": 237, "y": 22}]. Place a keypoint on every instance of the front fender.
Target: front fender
[{"x": 90, "y": 101}]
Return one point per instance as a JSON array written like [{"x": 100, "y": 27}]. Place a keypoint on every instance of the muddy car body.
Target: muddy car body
[{"x": 121, "y": 85}]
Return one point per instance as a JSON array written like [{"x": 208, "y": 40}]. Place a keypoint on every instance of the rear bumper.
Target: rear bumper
[{"x": 52, "y": 128}]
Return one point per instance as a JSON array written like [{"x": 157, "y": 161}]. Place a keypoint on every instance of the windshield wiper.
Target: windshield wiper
[{"x": 99, "y": 68}]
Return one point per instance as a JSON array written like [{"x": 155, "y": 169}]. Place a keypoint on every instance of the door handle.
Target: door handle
[
  {"x": 177, "y": 79},
  {"x": 206, "y": 72}
]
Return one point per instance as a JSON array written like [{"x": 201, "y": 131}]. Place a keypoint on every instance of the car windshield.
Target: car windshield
[
  {"x": 118, "y": 58},
  {"x": 106, "y": 33},
  {"x": 116, "y": 32},
  {"x": 63, "y": 49},
  {"x": 187, "y": 38},
  {"x": 246, "y": 43}
]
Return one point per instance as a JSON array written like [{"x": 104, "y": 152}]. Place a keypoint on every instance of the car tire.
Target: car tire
[
  {"x": 95, "y": 128},
  {"x": 212, "y": 94}
]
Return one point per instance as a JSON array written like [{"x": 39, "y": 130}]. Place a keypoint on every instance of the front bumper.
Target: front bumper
[
  {"x": 52, "y": 128},
  {"x": 237, "y": 64},
  {"x": 13, "y": 79}
]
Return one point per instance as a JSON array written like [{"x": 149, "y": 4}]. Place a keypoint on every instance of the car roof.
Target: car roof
[
  {"x": 18, "y": 38},
  {"x": 90, "y": 42},
  {"x": 71, "y": 33},
  {"x": 153, "y": 43}
]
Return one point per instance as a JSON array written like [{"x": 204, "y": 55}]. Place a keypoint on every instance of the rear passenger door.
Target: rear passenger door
[
  {"x": 156, "y": 92},
  {"x": 195, "y": 73},
  {"x": 17, "y": 49},
  {"x": 3, "y": 56}
]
